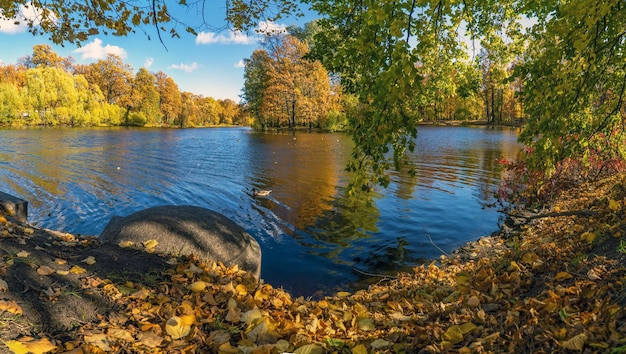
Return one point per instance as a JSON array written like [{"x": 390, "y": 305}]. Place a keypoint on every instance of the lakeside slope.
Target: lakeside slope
[{"x": 555, "y": 282}]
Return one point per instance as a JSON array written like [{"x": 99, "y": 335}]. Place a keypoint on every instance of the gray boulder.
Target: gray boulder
[{"x": 182, "y": 230}]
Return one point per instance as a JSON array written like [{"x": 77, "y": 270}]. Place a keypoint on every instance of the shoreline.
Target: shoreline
[{"x": 552, "y": 283}]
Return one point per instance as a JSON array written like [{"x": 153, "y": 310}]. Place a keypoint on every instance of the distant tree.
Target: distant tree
[
  {"x": 228, "y": 112},
  {"x": 208, "y": 111},
  {"x": 170, "y": 104},
  {"x": 145, "y": 96},
  {"x": 113, "y": 77},
  {"x": 10, "y": 104},
  {"x": 255, "y": 84}
]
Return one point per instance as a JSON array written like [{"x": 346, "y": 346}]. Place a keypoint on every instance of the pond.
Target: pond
[{"x": 314, "y": 238}]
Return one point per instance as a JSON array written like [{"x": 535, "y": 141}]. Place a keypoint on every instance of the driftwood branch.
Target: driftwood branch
[{"x": 554, "y": 214}]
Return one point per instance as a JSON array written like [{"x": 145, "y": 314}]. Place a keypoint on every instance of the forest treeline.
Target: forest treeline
[
  {"x": 45, "y": 89},
  {"x": 285, "y": 85}
]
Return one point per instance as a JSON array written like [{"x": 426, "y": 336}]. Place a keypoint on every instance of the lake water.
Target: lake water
[{"x": 312, "y": 235}]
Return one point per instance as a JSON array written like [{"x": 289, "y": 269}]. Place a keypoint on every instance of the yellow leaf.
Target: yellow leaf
[
  {"x": 614, "y": 205},
  {"x": 562, "y": 276},
  {"x": 197, "y": 286},
  {"x": 175, "y": 329},
  {"x": 241, "y": 289},
  {"x": 45, "y": 270},
  {"x": 23, "y": 254},
  {"x": 150, "y": 244},
  {"x": 16, "y": 347},
  {"x": 40, "y": 346},
  {"x": 77, "y": 270},
  {"x": 3, "y": 219},
  {"x": 150, "y": 339},
  {"x": 125, "y": 244},
  {"x": 468, "y": 327},
  {"x": 250, "y": 316},
  {"x": 28, "y": 230},
  {"x": 120, "y": 334},
  {"x": 575, "y": 343},
  {"x": 100, "y": 340},
  {"x": 453, "y": 335},
  {"x": 359, "y": 349},
  {"x": 187, "y": 320},
  {"x": 10, "y": 306},
  {"x": 89, "y": 260},
  {"x": 226, "y": 348},
  {"x": 588, "y": 237},
  {"x": 62, "y": 272},
  {"x": 309, "y": 349}
]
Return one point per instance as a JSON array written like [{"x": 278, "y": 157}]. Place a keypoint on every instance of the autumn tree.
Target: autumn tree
[
  {"x": 229, "y": 110},
  {"x": 283, "y": 87},
  {"x": 208, "y": 111},
  {"x": 572, "y": 70},
  {"x": 145, "y": 98},
  {"x": 10, "y": 103},
  {"x": 170, "y": 103},
  {"x": 112, "y": 76},
  {"x": 255, "y": 83}
]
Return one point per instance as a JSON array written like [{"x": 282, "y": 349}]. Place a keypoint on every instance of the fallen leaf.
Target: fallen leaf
[
  {"x": 77, "y": 270},
  {"x": 366, "y": 324},
  {"x": 454, "y": 335},
  {"x": 175, "y": 328},
  {"x": 89, "y": 260},
  {"x": 150, "y": 339},
  {"x": 120, "y": 334},
  {"x": 150, "y": 244},
  {"x": 3, "y": 286},
  {"x": 23, "y": 254},
  {"x": 575, "y": 343},
  {"x": 309, "y": 349},
  {"x": 10, "y": 306},
  {"x": 380, "y": 343},
  {"x": 588, "y": 237},
  {"x": 126, "y": 244},
  {"x": 40, "y": 346},
  {"x": 197, "y": 286},
  {"x": 562, "y": 276},
  {"x": 45, "y": 270},
  {"x": 62, "y": 272},
  {"x": 359, "y": 349},
  {"x": 16, "y": 347},
  {"x": 100, "y": 340},
  {"x": 614, "y": 205}
]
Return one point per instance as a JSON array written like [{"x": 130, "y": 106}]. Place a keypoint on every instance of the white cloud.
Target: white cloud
[
  {"x": 230, "y": 37},
  {"x": 148, "y": 63},
  {"x": 186, "y": 68},
  {"x": 95, "y": 50},
  {"x": 269, "y": 28},
  {"x": 240, "y": 64},
  {"x": 9, "y": 26}
]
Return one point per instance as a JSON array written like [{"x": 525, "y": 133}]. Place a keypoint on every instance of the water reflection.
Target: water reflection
[{"x": 312, "y": 233}]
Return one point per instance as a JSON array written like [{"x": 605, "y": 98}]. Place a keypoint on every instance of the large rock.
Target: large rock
[{"x": 188, "y": 229}]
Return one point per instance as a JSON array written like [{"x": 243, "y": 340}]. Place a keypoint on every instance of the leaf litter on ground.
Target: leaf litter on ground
[{"x": 548, "y": 286}]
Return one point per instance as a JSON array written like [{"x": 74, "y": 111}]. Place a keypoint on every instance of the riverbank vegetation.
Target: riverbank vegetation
[
  {"x": 553, "y": 281},
  {"x": 44, "y": 89}
]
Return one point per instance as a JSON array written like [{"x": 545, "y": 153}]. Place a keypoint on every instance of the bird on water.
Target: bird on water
[{"x": 260, "y": 192}]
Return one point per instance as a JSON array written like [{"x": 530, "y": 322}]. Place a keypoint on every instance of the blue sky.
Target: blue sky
[{"x": 210, "y": 64}]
